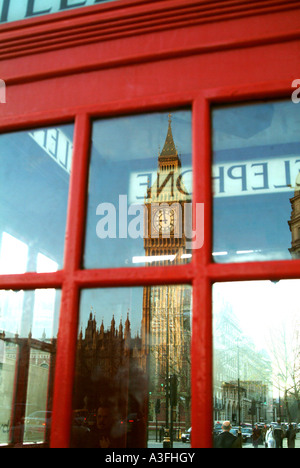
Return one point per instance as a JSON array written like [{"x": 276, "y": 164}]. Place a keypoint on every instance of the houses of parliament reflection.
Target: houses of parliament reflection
[
  {"x": 126, "y": 375},
  {"x": 111, "y": 384}
]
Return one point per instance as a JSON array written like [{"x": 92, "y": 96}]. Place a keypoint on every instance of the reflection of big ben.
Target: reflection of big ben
[
  {"x": 165, "y": 205},
  {"x": 166, "y": 309}
]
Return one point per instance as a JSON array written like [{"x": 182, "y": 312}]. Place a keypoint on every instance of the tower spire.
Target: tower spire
[{"x": 168, "y": 158}]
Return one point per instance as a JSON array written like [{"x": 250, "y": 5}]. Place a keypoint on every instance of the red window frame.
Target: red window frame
[{"x": 32, "y": 77}]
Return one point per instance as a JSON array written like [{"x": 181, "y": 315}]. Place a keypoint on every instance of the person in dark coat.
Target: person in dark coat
[
  {"x": 291, "y": 436},
  {"x": 278, "y": 436},
  {"x": 226, "y": 439},
  {"x": 256, "y": 433}
]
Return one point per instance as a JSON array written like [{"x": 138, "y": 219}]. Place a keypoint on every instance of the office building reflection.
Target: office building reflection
[{"x": 242, "y": 374}]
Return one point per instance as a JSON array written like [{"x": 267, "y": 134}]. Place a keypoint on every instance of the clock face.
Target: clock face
[{"x": 163, "y": 220}]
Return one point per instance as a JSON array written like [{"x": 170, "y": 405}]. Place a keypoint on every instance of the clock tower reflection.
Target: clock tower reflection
[{"x": 166, "y": 309}]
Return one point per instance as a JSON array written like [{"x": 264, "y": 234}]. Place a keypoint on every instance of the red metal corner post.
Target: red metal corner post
[
  {"x": 202, "y": 365},
  {"x": 67, "y": 334},
  {"x": 201, "y": 352}
]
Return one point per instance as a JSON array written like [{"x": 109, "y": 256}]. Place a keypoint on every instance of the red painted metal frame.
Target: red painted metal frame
[{"x": 197, "y": 64}]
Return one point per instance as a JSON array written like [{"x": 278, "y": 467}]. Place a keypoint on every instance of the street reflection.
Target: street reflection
[
  {"x": 28, "y": 334},
  {"x": 132, "y": 384},
  {"x": 256, "y": 359}
]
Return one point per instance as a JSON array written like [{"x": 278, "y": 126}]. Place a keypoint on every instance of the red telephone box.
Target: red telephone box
[{"x": 98, "y": 99}]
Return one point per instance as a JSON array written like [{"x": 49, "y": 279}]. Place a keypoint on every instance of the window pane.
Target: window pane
[
  {"x": 139, "y": 191},
  {"x": 132, "y": 384},
  {"x": 256, "y": 164},
  {"x": 37, "y": 423},
  {"x": 8, "y": 355},
  {"x": 256, "y": 359},
  {"x": 34, "y": 184},
  {"x": 28, "y": 331}
]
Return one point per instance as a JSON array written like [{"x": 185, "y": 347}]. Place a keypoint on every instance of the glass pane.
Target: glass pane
[
  {"x": 132, "y": 386},
  {"x": 28, "y": 331},
  {"x": 139, "y": 201},
  {"x": 8, "y": 356},
  {"x": 37, "y": 423},
  {"x": 256, "y": 362},
  {"x": 34, "y": 184},
  {"x": 256, "y": 167}
]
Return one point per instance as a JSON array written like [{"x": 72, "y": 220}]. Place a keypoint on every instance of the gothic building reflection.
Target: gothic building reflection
[{"x": 111, "y": 373}]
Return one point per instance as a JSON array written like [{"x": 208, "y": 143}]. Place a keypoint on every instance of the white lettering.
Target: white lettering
[
  {"x": 175, "y": 226},
  {"x": 296, "y": 93},
  {"x": 106, "y": 227},
  {"x": 2, "y": 92},
  {"x": 136, "y": 225},
  {"x": 171, "y": 457},
  {"x": 55, "y": 143},
  {"x": 255, "y": 178},
  {"x": 194, "y": 237},
  {"x": 116, "y": 458},
  {"x": 179, "y": 184},
  {"x": 123, "y": 217},
  {"x": 33, "y": 11}
]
